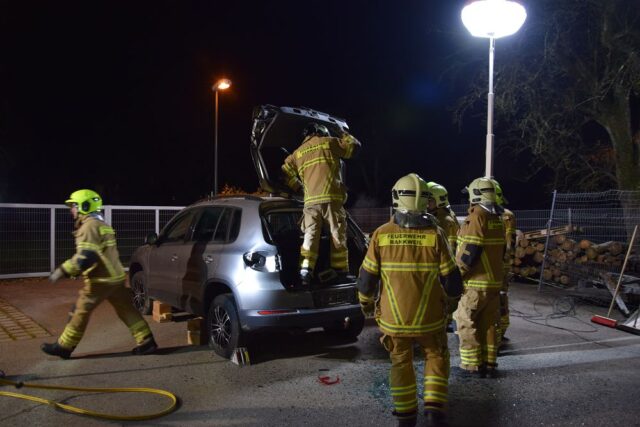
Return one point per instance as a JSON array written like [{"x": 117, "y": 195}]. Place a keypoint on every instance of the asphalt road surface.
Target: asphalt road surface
[{"x": 558, "y": 370}]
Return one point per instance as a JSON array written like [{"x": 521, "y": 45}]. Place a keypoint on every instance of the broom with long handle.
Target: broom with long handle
[{"x": 607, "y": 321}]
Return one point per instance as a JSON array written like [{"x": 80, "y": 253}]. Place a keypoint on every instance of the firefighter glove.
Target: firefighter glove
[
  {"x": 56, "y": 275},
  {"x": 367, "y": 304}
]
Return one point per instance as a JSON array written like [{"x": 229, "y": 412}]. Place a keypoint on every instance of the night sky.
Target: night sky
[{"x": 116, "y": 96}]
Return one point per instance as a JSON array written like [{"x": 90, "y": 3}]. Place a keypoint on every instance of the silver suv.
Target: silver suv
[{"x": 235, "y": 260}]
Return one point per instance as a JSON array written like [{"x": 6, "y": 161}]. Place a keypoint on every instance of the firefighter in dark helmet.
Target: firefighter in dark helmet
[
  {"x": 405, "y": 277},
  {"x": 315, "y": 167},
  {"x": 97, "y": 260},
  {"x": 480, "y": 257}
]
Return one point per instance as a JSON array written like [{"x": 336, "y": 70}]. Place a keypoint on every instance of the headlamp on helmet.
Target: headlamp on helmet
[
  {"x": 410, "y": 194},
  {"x": 87, "y": 201}
]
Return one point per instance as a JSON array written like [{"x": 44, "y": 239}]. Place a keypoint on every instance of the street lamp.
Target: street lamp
[
  {"x": 492, "y": 19},
  {"x": 221, "y": 84}
]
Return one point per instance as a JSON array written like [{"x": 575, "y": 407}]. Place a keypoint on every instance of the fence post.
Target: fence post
[
  {"x": 52, "y": 241},
  {"x": 157, "y": 221},
  {"x": 107, "y": 215},
  {"x": 546, "y": 243}
]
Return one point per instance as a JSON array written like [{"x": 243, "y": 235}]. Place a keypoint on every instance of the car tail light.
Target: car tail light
[{"x": 262, "y": 261}]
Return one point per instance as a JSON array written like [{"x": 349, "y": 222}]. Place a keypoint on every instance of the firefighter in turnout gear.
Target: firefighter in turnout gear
[
  {"x": 405, "y": 278},
  {"x": 509, "y": 221},
  {"x": 480, "y": 257},
  {"x": 440, "y": 208},
  {"x": 97, "y": 259},
  {"x": 315, "y": 166}
]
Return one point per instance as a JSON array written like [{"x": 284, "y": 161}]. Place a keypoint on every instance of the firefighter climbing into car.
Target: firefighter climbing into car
[
  {"x": 404, "y": 280},
  {"x": 97, "y": 260},
  {"x": 480, "y": 257},
  {"x": 315, "y": 168}
]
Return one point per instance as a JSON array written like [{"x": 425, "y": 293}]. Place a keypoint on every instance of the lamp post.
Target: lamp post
[
  {"x": 492, "y": 19},
  {"x": 221, "y": 84}
]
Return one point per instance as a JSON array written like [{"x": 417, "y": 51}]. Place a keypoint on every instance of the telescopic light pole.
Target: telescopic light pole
[{"x": 492, "y": 19}]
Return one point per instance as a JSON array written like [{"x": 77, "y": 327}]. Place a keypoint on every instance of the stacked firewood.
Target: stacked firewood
[{"x": 565, "y": 254}]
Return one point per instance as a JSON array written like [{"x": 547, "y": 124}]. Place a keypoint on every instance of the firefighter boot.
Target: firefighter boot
[
  {"x": 435, "y": 419},
  {"x": 147, "y": 346},
  {"x": 55, "y": 349},
  {"x": 406, "y": 420},
  {"x": 306, "y": 274}
]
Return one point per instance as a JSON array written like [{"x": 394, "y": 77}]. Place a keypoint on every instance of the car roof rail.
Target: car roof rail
[{"x": 210, "y": 198}]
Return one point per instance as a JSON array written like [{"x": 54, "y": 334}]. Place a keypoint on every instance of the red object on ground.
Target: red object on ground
[
  {"x": 604, "y": 321},
  {"x": 326, "y": 380}
]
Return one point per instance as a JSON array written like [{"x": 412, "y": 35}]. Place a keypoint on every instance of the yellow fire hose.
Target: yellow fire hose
[{"x": 76, "y": 410}]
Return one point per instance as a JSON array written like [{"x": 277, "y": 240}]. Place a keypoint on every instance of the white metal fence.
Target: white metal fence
[{"x": 34, "y": 239}]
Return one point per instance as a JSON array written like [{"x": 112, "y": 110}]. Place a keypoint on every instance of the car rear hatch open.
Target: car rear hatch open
[
  {"x": 276, "y": 133},
  {"x": 281, "y": 227}
]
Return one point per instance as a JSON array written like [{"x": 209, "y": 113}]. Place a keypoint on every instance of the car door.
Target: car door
[
  {"x": 164, "y": 258},
  {"x": 198, "y": 259}
]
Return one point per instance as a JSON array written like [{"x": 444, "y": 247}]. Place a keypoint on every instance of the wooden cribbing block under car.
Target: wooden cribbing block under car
[
  {"x": 162, "y": 312},
  {"x": 196, "y": 332}
]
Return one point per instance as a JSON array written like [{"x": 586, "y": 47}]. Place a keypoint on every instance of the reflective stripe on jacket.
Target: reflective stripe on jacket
[
  {"x": 409, "y": 262},
  {"x": 317, "y": 164},
  {"x": 484, "y": 230},
  {"x": 95, "y": 240}
]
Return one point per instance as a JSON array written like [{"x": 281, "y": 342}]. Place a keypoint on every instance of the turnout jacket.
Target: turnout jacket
[
  {"x": 449, "y": 223},
  {"x": 96, "y": 256},
  {"x": 480, "y": 253},
  {"x": 409, "y": 263},
  {"x": 316, "y": 163},
  {"x": 509, "y": 220}
]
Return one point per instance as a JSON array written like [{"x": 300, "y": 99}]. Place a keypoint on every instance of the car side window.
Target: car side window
[
  {"x": 235, "y": 225},
  {"x": 178, "y": 229},
  {"x": 223, "y": 227},
  {"x": 206, "y": 227}
]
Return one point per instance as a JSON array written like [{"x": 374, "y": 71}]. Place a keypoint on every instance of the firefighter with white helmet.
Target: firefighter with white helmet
[
  {"x": 405, "y": 277},
  {"x": 315, "y": 167},
  {"x": 480, "y": 257},
  {"x": 509, "y": 220},
  {"x": 97, "y": 260}
]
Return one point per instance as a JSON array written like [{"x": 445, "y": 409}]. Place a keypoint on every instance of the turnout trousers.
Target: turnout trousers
[
  {"x": 314, "y": 216},
  {"x": 402, "y": 378},
  {"x": 90, "y": 296},
  {"x": 477, "y": 320}
]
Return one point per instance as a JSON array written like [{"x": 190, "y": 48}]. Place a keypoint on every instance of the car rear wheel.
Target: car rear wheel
[
  {"x": 223, "y": 326},
  {"x": 141, "y": 300},
  {"x": 351, "y": 330}
]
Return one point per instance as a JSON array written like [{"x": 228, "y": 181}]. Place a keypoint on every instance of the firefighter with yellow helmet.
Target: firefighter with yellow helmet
[
  {"x": 480, "y": 257},
  {"x": 440, "y": 208},
  {"x": 405, "y": 277},
  {"x": 97, "y": 260},
  {"x": 509, "y": 220},
  {"x": 315, "y": 167}
]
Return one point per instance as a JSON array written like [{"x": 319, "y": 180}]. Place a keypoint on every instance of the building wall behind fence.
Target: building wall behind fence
[{"x": 34, "y": 239}]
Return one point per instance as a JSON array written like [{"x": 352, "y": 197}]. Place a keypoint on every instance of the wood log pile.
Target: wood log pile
[{"x": 565, "y": 254}]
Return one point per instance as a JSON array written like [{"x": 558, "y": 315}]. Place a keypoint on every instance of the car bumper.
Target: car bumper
[{"x": 252, "y": 320}]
